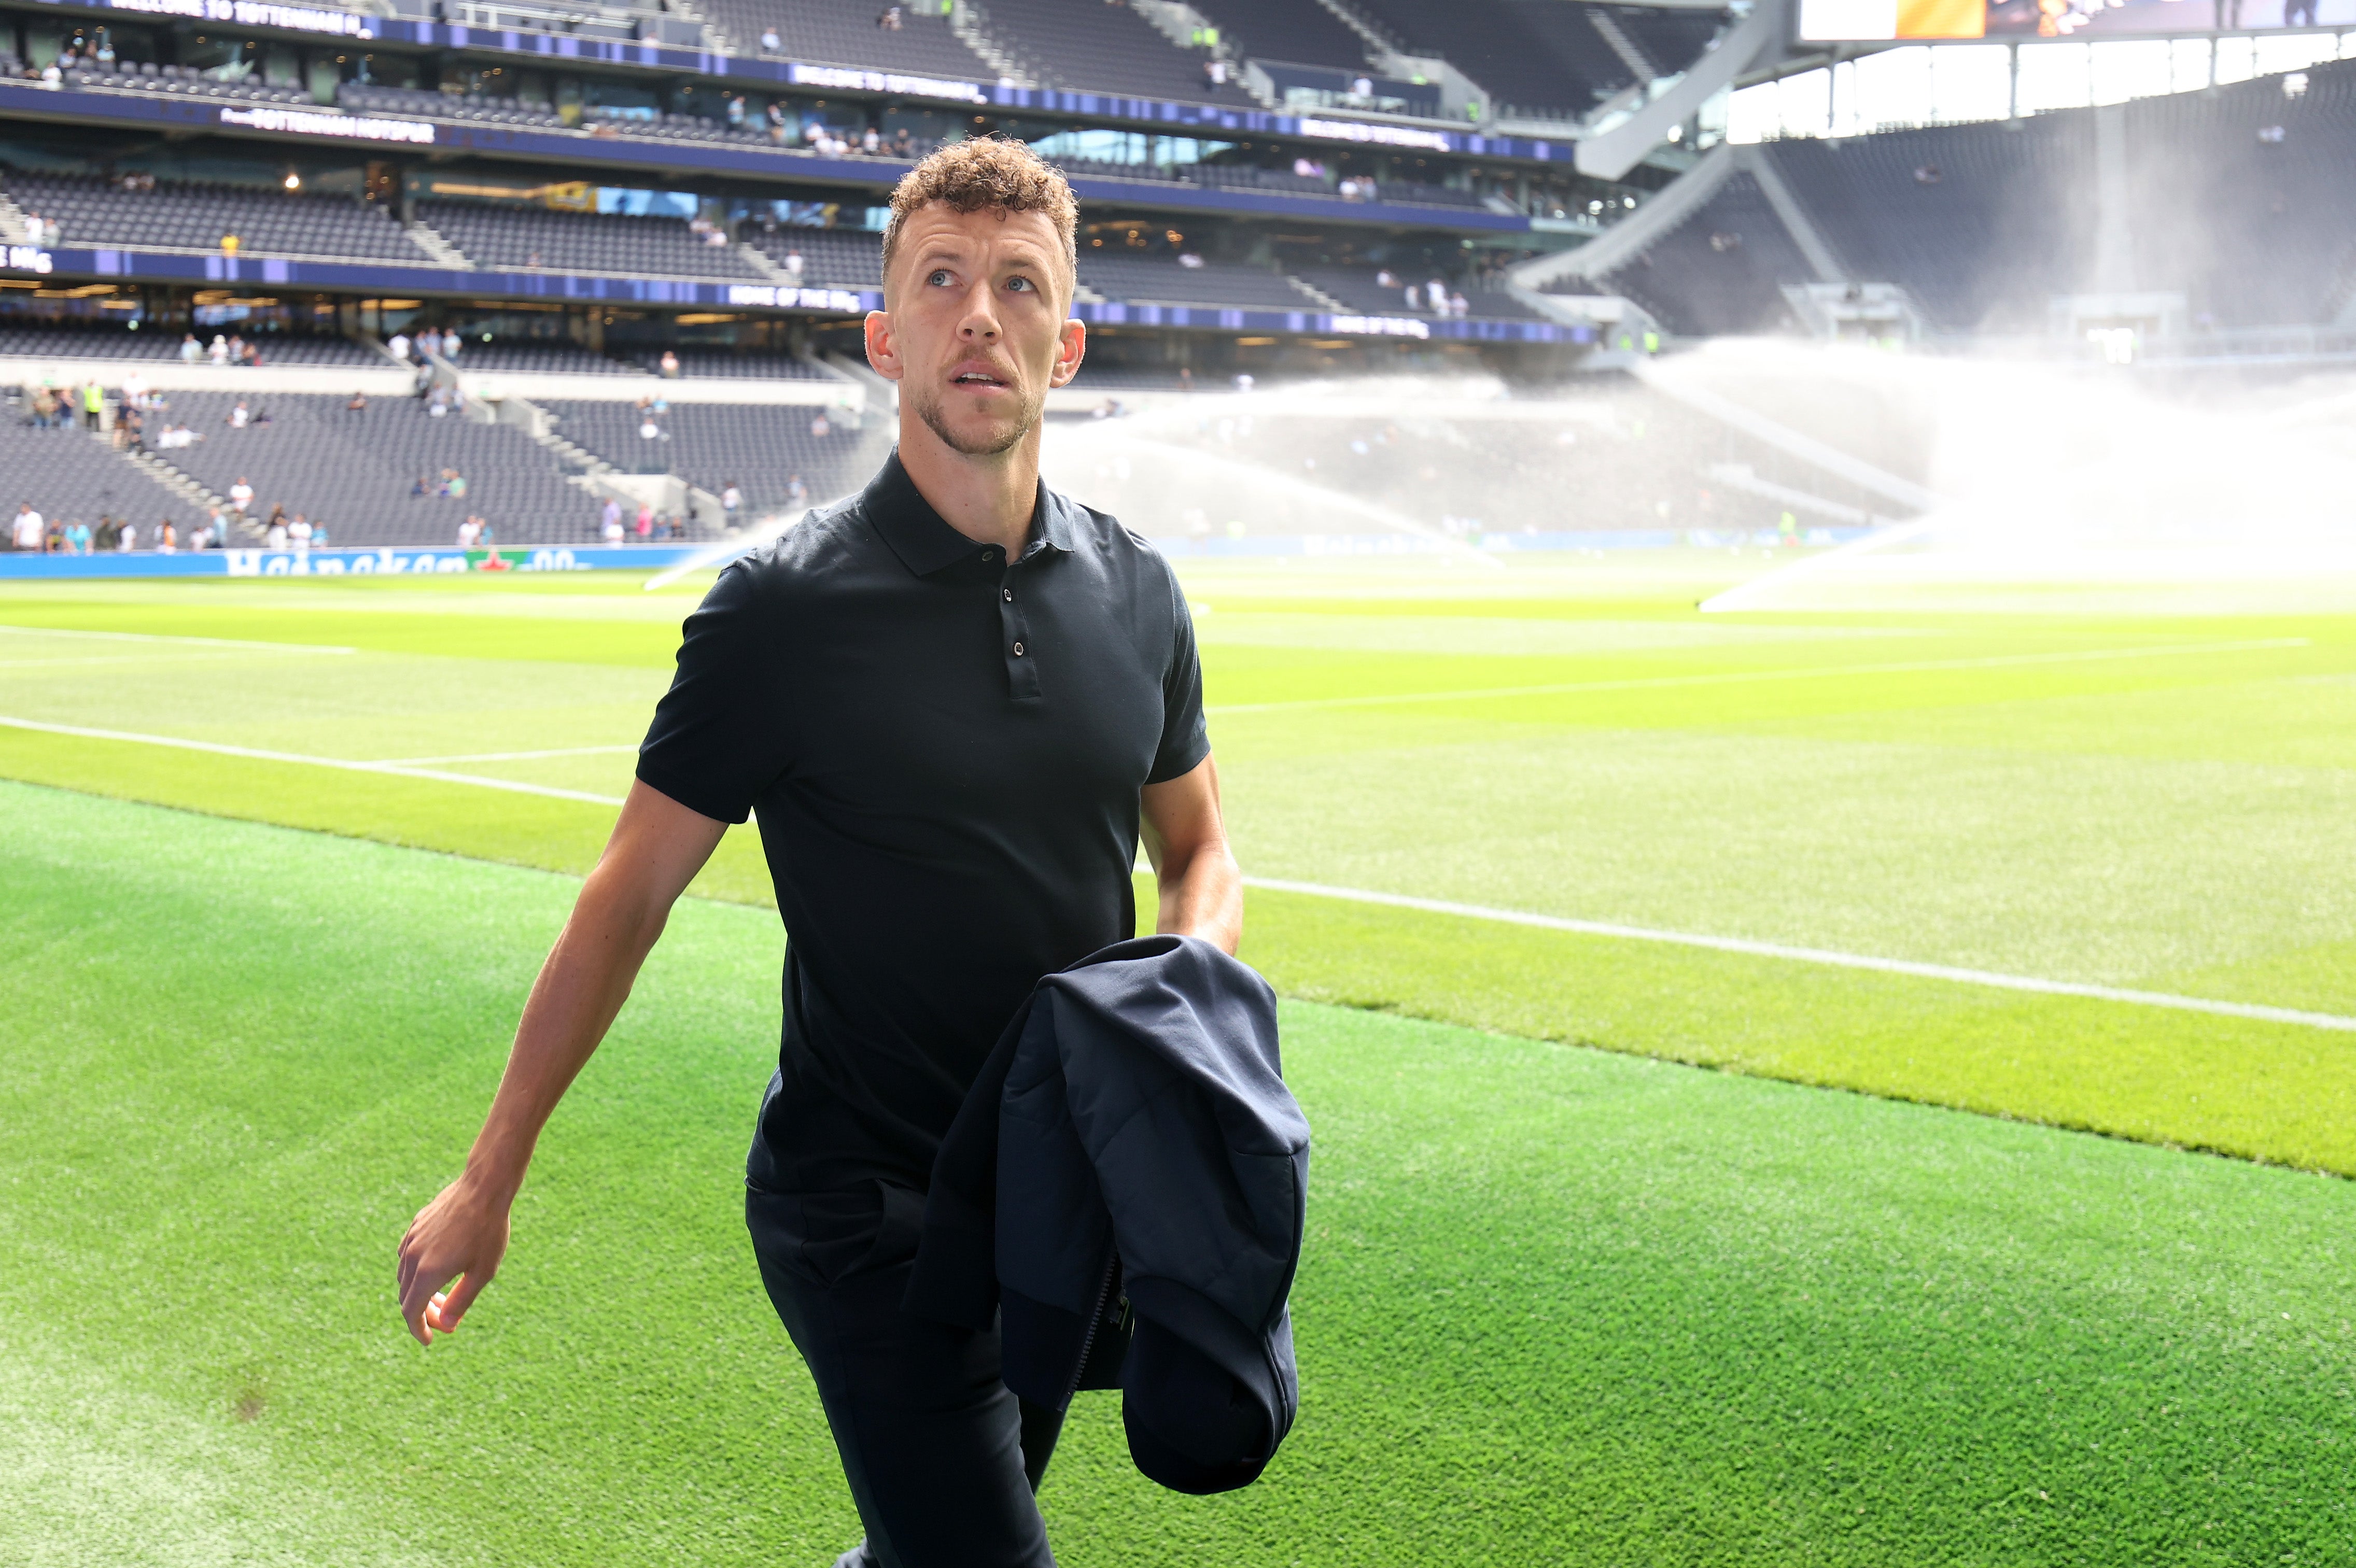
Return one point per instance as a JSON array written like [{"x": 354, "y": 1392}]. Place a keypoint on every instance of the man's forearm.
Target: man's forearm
[
  {"x": 581, "y": 987},
  {"x": 1203, "y": 896}
]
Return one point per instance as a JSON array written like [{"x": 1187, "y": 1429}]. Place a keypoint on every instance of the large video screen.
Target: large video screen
[{"x": 1836, "y": 21}]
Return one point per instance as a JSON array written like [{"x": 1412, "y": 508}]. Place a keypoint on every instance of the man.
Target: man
[
  {"x": 956, "y": 700},
  {"x": 30, "y": 528}
]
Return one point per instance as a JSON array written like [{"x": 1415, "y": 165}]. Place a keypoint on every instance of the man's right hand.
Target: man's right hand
[
  {"x": 461, "y": 1235},
  {"x": 657, "y": 846}
]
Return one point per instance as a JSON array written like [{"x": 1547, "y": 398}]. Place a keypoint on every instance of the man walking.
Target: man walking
[{"x": 956, "y": 700}]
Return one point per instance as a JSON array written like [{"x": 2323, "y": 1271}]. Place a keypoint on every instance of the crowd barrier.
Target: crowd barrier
[
  {"x": 432, "y": 560},
  {"x": 384, "y": 561}
]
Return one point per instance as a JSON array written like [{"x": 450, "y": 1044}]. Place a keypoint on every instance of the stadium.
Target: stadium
[{"x": 1774, "y": 587}]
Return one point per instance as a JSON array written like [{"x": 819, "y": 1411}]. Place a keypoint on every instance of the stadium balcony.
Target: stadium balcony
[
  {"x": 370, "y": 98},
  {"x": 355, "y": 472},
  {"x": 1360, "y": 289},
  {"x": 89, "y": 210},
  {"x": 1144, "y": 280},
  {"x": 533, "y": 356},
  {"x": 761, "y": 448},
  {"x": 175, "y": 81},
  {"x": 539, "y": 240},
  {"x": 114, "y": 340},
  {"x": 1101, "y": 46},
  {"x": 850, "y": 33},
  {"x": 723, "y": 364}
]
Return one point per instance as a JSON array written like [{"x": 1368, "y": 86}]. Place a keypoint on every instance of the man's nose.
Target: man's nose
[{"x": 981, "y": 320}]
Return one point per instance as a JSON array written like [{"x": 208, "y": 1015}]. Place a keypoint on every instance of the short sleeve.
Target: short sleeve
[
  {"x": 1186, "y": 737},
  {"x": 717, "y": 738}
]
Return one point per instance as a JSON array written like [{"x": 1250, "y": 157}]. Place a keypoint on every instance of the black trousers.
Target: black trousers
[{"x": 942, "y": 1459}]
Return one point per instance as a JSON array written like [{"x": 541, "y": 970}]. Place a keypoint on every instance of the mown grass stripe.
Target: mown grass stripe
[
  {"x": 1732, "y": 678},
  {"x": 1821, "y": 955}
]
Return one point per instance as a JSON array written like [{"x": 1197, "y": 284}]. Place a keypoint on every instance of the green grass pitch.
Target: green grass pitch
[{"x": 1561, "y": 1305}]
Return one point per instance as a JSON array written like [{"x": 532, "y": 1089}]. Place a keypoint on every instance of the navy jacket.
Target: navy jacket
[{"x": 1124, "y": 1191}]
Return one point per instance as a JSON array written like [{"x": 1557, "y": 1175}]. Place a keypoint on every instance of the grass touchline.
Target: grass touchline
[
  {"x": 1821, "y": 955},
  {"x": 346, "y": 765}
]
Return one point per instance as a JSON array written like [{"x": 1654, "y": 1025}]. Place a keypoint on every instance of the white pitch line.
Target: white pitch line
[
  {"x": 1362, "y": 895},
  {"x": 345, "y": 764},
  {"x": 505, "y": 756},
  {"x": 1724, "y": 677},
  {"x": 1819, "y": 956},
  {"x": 201, "y": 642}
]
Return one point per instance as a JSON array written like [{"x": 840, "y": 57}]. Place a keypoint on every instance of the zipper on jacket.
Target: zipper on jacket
[{"x": 1096, "y": 1321}]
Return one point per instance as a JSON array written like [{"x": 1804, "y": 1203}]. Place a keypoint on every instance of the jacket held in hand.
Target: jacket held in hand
[{"x": 1127, "y": 1182}]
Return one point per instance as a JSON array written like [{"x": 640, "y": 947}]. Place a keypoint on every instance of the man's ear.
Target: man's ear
[
  {"x": 1071, "y": 348},
  {"x": 882, "y": 351}
]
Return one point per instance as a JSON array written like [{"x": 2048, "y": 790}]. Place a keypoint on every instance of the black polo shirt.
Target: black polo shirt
[{"x": 944, "y": 749}]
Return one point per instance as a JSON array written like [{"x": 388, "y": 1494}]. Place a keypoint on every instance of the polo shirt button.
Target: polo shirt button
[
  {"x": 990, "y": 555},
  {"x": 1009, "y": 594},
  {"x": 1018, "y": 650}
]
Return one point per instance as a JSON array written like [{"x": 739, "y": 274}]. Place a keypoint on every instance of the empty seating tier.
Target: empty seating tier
[
  {"x": 92, "y": 211},
  {"x": 1723, "y": 269},
  {"x": 852, "y": 32},
  {"x": 761, "y": 448},
  {"x": 1102, "y": 46},
  {"x": 1161, "y": 281},
  {"x": 355, "y": 472},
  {"x": 534, "y": 238}
]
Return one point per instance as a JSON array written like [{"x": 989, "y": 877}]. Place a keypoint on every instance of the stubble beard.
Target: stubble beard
[{"x": 997, "y": 442}]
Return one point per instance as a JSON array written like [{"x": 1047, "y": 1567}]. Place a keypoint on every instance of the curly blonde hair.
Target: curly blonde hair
[{"x": 987, "y": 173}]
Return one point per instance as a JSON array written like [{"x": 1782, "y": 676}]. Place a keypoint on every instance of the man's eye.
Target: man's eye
[
  {"x": 940, "y": 276},
  {"x": 1019, "y": 283}
]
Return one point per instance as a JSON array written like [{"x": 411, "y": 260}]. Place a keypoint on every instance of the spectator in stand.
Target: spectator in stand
[
  {"x": 26, "y": 532},
  {"x": 736, "y": 112},
  {"x": 730, "y": 498},
  {"x": 78, "y": 538},
  {"x": 190, "y": 349},
  {"x": 795, "y": 491},
  {"x": 646, "y": 525},
  {"x": 776, "y": 113},
  {"x": 217, "y": 351},
  {"x": 398, "y": 347},
  {"x": 240, "y": 497},
  {"x": 818, "y": 426},
  {"x": 611, "y": 529},
  {"x": 167, "y": 537},
  {"x": 468, "y": 531},
  {"x": 94, "y": 404},
  {"x": 127, "y": 539},
  {"x": 274, "y": 531},
  {"x": 670, "y": 363},
  {"x": 450, "y": 348},
  {"x": 793, "y": 263},
  {"x": 298, "y": 534},
  {"x": 771, "y": 44},
  {"x": 241, "y": 416}
]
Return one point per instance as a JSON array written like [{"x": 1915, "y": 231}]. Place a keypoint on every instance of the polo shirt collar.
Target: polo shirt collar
[{"x": 923, "y": 541}]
